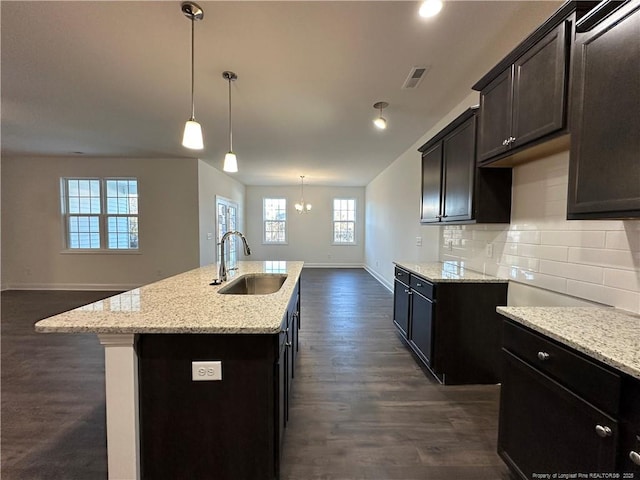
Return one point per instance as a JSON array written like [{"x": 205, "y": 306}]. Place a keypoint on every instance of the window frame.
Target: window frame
[
  {"x": 103, "y": 217},
  {"x": 334, "y": 221},
  {"x": 285, "y": 221}
]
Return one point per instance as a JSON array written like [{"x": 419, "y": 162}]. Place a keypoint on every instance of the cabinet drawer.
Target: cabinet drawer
[
  {"x": 594, "y": 383},
  {"x": 402, "y": 275},
  {"x": 422, "y": 286}
]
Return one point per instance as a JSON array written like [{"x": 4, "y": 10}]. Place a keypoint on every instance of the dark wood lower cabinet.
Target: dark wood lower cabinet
[
  {"x": 562, "y": 412},
  {"x": 452, "y": 327},
  {"x": 231, "y": 429},
  {"x": 545, "y": 428}
]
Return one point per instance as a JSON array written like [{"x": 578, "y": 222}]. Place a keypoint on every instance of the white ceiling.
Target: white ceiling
[{"x": 113, "y": 79}]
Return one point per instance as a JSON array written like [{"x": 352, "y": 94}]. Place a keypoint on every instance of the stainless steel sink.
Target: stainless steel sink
[{"x": 254, "y": 284}]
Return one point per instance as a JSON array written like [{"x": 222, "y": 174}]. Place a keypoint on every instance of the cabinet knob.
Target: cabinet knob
[
  {"x": 511, "y": 140},
  {"x": 418, "y": 284},
  {"x": 603, "y": 431},
  {"x": 287, "y": 344},
  {"x": 406, "y": 291},
  {"x": 634, "y": 457},
  {"x": 505, "y": 142},
  {"x": 543, "y": 356}
]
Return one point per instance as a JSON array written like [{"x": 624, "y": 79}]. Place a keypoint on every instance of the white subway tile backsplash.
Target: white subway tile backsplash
[
  {"x": 624, "y": 279},
  {"x": 596, "y": 260},
  {"x": 548, "y": 252},
  {"x": 623, "y": 299},
  {"x": 606, "y": 258},
  {"x": 623, "y": 240},
  {"x": 575, "y": 271},
  {"x": 588, "y": 239},
  {"x": 519, "y": 236}
]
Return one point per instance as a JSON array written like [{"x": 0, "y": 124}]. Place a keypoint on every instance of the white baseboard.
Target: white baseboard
[
  {"x": 107, "y": 287},
  {"x": 333, "y": 265},
  {"x": 379, "y": 278}
]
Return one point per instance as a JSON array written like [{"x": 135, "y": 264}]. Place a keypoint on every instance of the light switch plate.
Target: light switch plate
[
  {"x": 418, "y": 241},
  {"x": 206, "y": 371},
  {"x": 489, "y": 250}
]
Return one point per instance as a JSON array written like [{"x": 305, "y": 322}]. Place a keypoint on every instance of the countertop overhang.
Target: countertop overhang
[
  {"x": 606, "y": 334},
  {"x": 185, "y": 303}
]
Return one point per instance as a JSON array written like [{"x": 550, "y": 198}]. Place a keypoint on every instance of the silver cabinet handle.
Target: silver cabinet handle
[
  {"x": 511, "y": 140},
  {"x": 505, "y": 142},
  {"x": 543, "y": 356},
  {"x": 287, "y": 344},
  {"x": 406, "y": 291},
  {"x": 634, "y": 457},
  {"x": 418, "y": 284},
  {"x": 603, "y": 431}
]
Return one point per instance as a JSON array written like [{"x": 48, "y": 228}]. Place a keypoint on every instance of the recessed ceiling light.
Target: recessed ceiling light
[{"x": 430, "y": 8}]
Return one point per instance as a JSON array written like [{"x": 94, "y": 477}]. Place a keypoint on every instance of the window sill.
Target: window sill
[{"x": 99, "y": 251}]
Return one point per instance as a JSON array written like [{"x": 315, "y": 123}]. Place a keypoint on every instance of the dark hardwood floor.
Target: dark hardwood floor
[{"x": 361, "y": 406}]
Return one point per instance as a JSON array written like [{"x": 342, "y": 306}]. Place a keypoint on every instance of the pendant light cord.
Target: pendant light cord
[
  {"x": 230, "y": 130},
  {"x": 193, "y": 105}
]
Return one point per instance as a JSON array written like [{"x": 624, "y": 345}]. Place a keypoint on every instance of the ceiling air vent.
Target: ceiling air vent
[{"x": 415, "y": 77}]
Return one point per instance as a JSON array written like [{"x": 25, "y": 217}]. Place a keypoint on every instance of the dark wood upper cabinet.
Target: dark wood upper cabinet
[
  {"x": 604, "y": 167},
  {"x": 454, "y": 190},
  {"x": 527, "y": 101}
]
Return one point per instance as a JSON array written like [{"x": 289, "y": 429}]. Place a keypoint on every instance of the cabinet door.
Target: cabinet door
[
  {"x": 459, "y": 162},
  {"x": 545, "y": 428},
  {"x": 604, "y": 167},
  {"x": 539, "y": 88},
  {"x": 431, "y": 182},
  {"x": 494, "y": 124},
  {"x": 421, "y": 326},
  {"x": 401, "y": 295}
]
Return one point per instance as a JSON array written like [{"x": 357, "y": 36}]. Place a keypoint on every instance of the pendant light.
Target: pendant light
[
  {"x": 192, "y": 137},
  {"x": 380, "y": 122},
  {"x": 230, "y": 160},
  {"x": 302, "y": 207}
]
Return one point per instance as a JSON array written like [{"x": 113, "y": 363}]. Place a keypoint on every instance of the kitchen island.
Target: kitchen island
[{"x": 162, "y": 421}]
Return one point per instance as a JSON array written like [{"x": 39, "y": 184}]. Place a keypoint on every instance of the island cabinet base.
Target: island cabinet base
[{"x": 226, "y": 429}]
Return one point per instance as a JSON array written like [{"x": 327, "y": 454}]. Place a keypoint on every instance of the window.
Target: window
[
  {"x": 275, "y": 220},
  {"x": 344, "y": 221},
  {"x": 100, "y": 213}
]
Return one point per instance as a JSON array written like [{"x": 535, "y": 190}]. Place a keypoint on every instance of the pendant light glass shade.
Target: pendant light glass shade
[
  {"x": 380, "y": 122},
  {"x": 192, "y": 136},
  {"x": 230, "y": 161},
  {"x": 302, "y": 207}
]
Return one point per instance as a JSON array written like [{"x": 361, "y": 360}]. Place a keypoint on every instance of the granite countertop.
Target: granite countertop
[
  {"x": 450, "y": 271},
  {"x": 606, "y": 334},
  {"x": 185, "y": 303}
]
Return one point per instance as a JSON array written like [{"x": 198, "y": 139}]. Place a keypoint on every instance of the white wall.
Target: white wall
[
  {"x": 309, "y": 235},
  {"x": 598, "y": 260},
  {"x": 212, "y": 182},
  {"x": 33, "y": 231},
  {"x": 393, "y": 209}
]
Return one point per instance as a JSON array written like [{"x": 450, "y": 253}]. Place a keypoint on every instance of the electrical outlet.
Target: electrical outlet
[
  {"x": 206, "y": 371},
  {"x": 418, "y": 241},
  {"x": 209, "y": 236},
  {"x": 489, "y": 250}
]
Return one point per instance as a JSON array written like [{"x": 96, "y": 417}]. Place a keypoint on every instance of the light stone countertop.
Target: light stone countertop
[
  {"x": 185, "y": 303},
  {"x": 449, "y": 271},
  {"x": 606, "y": 334}
]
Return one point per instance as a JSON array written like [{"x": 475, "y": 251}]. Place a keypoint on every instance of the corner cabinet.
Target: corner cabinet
[
  {"x": 452, "y": 327},
  {"x": 454, "y": 190},
  {"x": 604, "y": 166}
]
